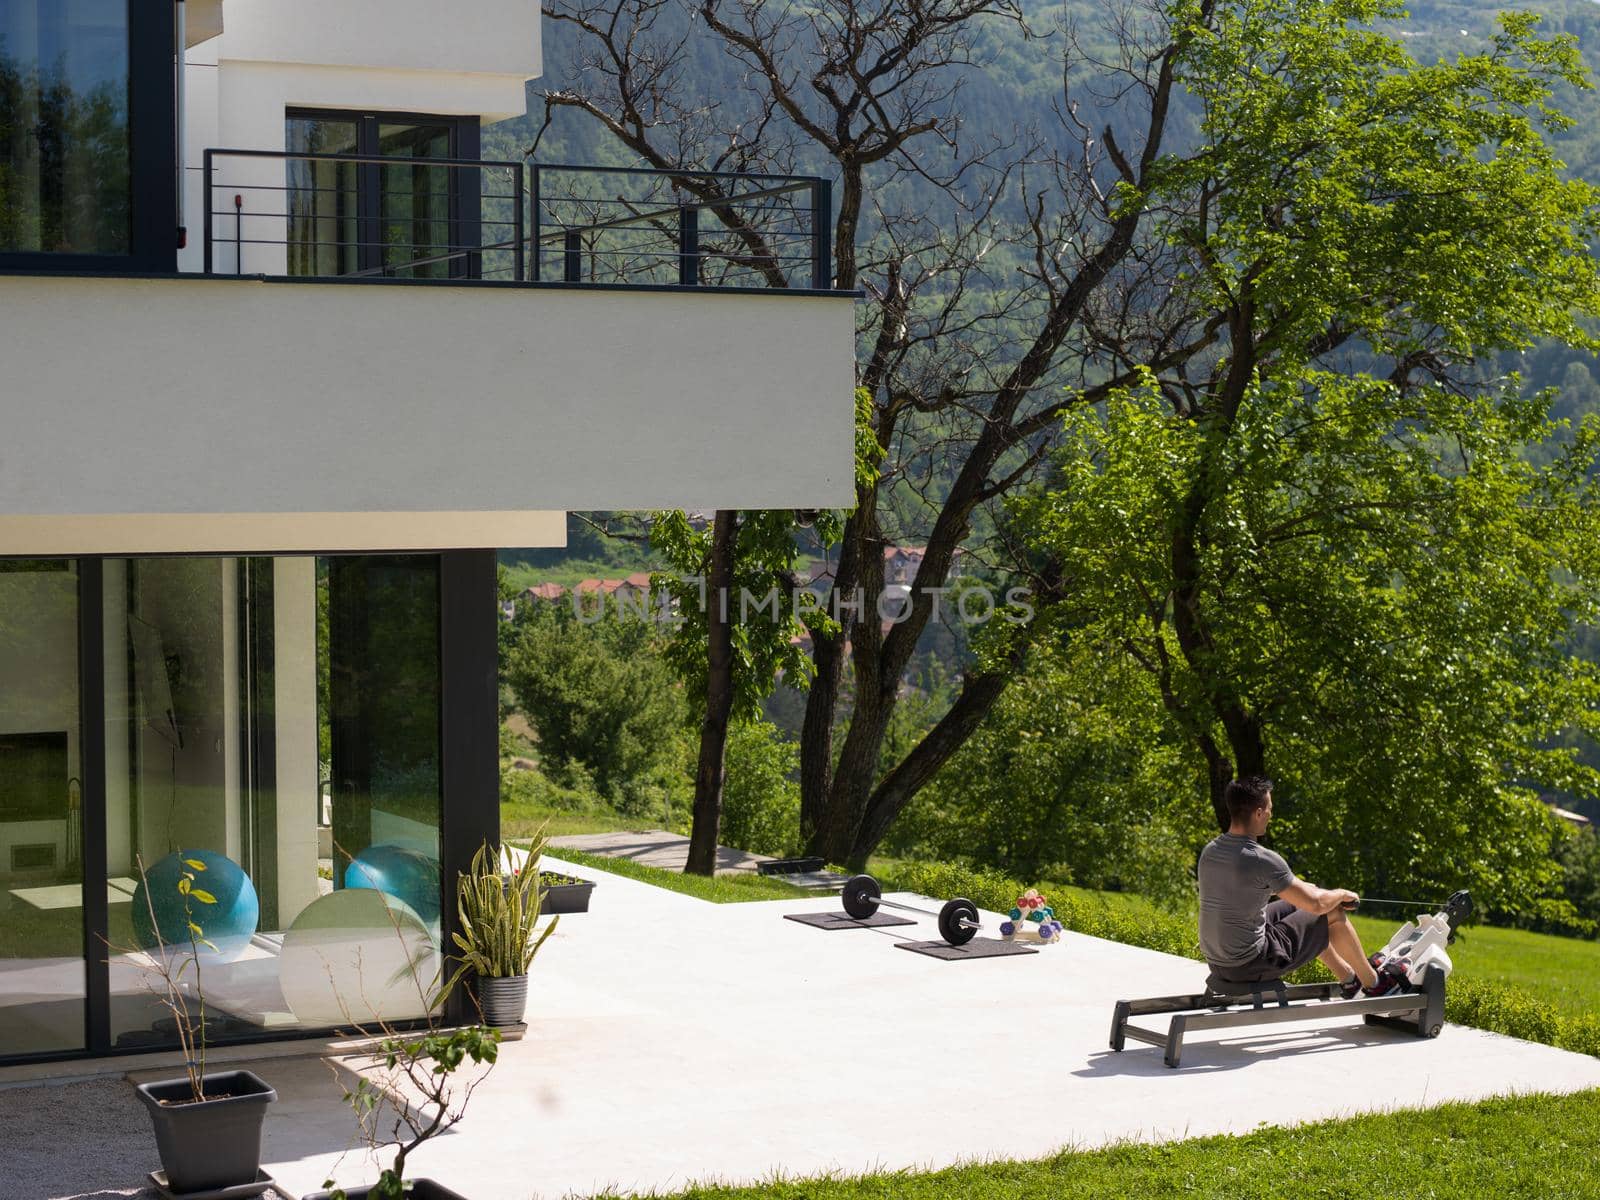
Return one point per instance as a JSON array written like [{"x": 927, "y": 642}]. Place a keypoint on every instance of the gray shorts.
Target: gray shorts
[{"x": 1294, "y": 938}]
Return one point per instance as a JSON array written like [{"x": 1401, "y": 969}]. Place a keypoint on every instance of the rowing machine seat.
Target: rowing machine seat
[{"x": 1235, "y": 991}]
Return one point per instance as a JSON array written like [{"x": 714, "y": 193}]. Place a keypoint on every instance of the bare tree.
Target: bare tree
[{"x": 1031, "y": 288}]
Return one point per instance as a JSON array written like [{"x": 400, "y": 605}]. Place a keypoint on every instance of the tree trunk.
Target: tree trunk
[
  {"x": 719, "y": 699},
  {"x": 978, "y": 695}
]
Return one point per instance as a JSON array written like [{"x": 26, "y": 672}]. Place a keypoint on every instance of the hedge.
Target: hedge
[{"x": 1480, "y": 1003}]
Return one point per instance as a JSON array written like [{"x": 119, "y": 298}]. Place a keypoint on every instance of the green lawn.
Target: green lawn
[
  {"x": 1533, "y": 1147},
  {"x": 721, "y": 889},
  {"x": 522, "y": 821},
  {"x": 1563, "y": 971}
]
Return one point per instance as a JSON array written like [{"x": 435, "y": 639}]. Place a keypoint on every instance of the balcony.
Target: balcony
[
  {"x": 443, "y": 336},
  {"x": 363, "y": 216}
]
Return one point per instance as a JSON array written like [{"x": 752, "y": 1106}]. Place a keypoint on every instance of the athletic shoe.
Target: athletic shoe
[
  {"x": 1389, "y": 983},
  {"x": 1350, "y": 988}
]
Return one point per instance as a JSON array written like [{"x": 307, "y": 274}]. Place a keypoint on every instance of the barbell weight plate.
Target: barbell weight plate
[
  {"x": 958, "y": 921},
  {"x": 860, "y": 896}
]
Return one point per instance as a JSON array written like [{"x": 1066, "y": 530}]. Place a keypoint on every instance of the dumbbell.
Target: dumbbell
[{"x": 958, "y": 919}]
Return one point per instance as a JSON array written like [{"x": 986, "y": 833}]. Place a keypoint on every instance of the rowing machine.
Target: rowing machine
[{"x": 1416, "y": 954}]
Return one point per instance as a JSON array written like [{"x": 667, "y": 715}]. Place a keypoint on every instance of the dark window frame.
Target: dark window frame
[
  {"x": 468, "y": 762},
  {"x": 153, "y": 159},
  {"x": 466, "y": 140}
]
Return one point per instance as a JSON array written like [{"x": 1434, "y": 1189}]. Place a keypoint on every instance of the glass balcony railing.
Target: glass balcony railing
[{"x": 377, "y": 217}]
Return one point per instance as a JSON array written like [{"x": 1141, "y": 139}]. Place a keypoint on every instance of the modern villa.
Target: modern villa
[{"x": 283, "y": 360}]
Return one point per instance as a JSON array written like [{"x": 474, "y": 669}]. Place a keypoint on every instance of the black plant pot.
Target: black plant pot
[
  {"x": 213, "y": 1144},
  {"x": 503, "y": 1000},
  {"x": 566, "y": 896},
  {"x": 421, "y": 1189}
]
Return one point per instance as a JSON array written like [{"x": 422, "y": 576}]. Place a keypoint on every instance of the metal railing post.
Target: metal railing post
[
  {"x": 537, "y": 246},
  {"x": 822, "y": 235},
  {"x": 519, "y": 261},
  {"x": 206, "y": 197},
  {"x": 572, "y": 255},
  {"x": 688, "y": 245}
]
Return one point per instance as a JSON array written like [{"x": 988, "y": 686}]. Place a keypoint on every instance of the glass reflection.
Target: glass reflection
[{"x": 64, "y": 141}]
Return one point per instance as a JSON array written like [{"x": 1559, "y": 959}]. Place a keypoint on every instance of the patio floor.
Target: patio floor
[{"x": 671, "y": 1040}]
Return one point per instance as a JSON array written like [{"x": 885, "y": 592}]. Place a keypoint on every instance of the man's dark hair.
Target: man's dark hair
[{"x": 1244, "y": 796}]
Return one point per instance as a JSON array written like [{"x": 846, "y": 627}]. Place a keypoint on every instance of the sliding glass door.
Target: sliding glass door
[
  {"x": 42, "y": 983},
  {"x": 279, "y": 721},
  {"x": 222, "y": 751},
  {"x": 412, "y": 217}
]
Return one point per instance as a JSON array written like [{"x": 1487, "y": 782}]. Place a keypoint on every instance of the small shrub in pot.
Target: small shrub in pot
[
  {"x": 207, "y": 1125},
  {"x": 495, "y": 940}
]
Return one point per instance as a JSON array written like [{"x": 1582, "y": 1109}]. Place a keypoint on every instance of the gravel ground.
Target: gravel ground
[{"x": 46, "y": 1156}]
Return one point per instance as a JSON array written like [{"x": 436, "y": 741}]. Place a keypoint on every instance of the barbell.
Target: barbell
[{"x": 958, "y": 919}]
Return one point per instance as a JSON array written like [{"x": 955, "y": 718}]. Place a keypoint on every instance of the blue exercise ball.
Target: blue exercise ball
[
  {"x": 406, "y": 874},
  {"x": 228, "y": 924}
]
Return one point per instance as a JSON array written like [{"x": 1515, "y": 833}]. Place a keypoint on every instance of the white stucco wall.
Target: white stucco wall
[
  {"x": 485, "y": 37},
  {"x": 412, "y": 56},
  {"x": 219, "y": 396}
]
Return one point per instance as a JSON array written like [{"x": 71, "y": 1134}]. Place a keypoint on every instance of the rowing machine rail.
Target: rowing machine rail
[{"x": 1420, "y": 1012}]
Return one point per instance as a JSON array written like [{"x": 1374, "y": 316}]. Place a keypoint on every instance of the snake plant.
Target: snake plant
[{"x": 497, "y": 916}]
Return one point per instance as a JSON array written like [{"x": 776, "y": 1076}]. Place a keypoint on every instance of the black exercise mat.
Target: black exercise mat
[
  {"x": 843, "y": 920},
  {"x": 976, "y": 948}
]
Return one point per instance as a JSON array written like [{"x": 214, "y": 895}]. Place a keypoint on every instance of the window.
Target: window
[
  {"x": 77, "y": 188},
  {"x": 413, "y": 217}
]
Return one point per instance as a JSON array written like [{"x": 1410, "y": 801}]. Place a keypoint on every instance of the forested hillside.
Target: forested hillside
[
  {"x": 1015, "y": 93},
  {"x": 1017, "y": 89}
]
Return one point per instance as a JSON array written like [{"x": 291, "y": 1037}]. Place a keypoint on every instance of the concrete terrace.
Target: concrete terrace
[{"x": 671, "y": 1040}]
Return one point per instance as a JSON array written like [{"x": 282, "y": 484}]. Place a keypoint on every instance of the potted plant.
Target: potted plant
[
  {"x": 495, "y": 941},
  {"x": 414, "y": 1067},
  {"x": 207, "y": 1126},
  {"x": 560, "y": 893}
]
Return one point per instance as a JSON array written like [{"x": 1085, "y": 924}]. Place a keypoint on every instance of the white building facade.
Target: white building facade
[{"x": 269, "y": 406}]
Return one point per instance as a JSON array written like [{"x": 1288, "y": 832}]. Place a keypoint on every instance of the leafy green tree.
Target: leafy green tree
[
  {"x": 1072, "y": 777},
  {"x": 735, "y": 595},
  {"x": 1579, "y": 856},
  {"x": 1324, "y": 541},
  {"x": 600, "y": 695},
  {"x": 761, "y": 799}
]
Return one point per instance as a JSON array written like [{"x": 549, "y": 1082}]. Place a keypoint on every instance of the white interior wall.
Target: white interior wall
[
  {"x": 294, "y": 633},
  {"x": 119, "y": 812},
  {"x": 229, "y": 685}
]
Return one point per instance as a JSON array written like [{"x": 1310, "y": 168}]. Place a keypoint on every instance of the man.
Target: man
[{"x": 1245, "y": 938}]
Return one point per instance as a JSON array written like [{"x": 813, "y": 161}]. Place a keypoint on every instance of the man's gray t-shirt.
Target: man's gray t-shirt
[{"x": 1238, "y": 875}]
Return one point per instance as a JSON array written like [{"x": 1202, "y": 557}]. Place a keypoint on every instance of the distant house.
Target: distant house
[
  {"x": 634, "y": 584},
  {"x": 548, "y": 593},
  {"x": 1576, "y": 819},
  {"x": 901, "y": 563}
]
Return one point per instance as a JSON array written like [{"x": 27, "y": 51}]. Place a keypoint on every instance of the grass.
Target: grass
[
  {"x": 1533, "y": 1147},
  {"x": 1560, "y": 971},
  {"x": 720, "y": 889},
  {"x": 1563, "y": 971},
  {"x": 519, "y": 822},
  {"x": 1500, "y": 984}
]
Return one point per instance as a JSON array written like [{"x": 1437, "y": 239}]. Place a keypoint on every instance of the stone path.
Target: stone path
[{"x": 670, "y": 851}]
